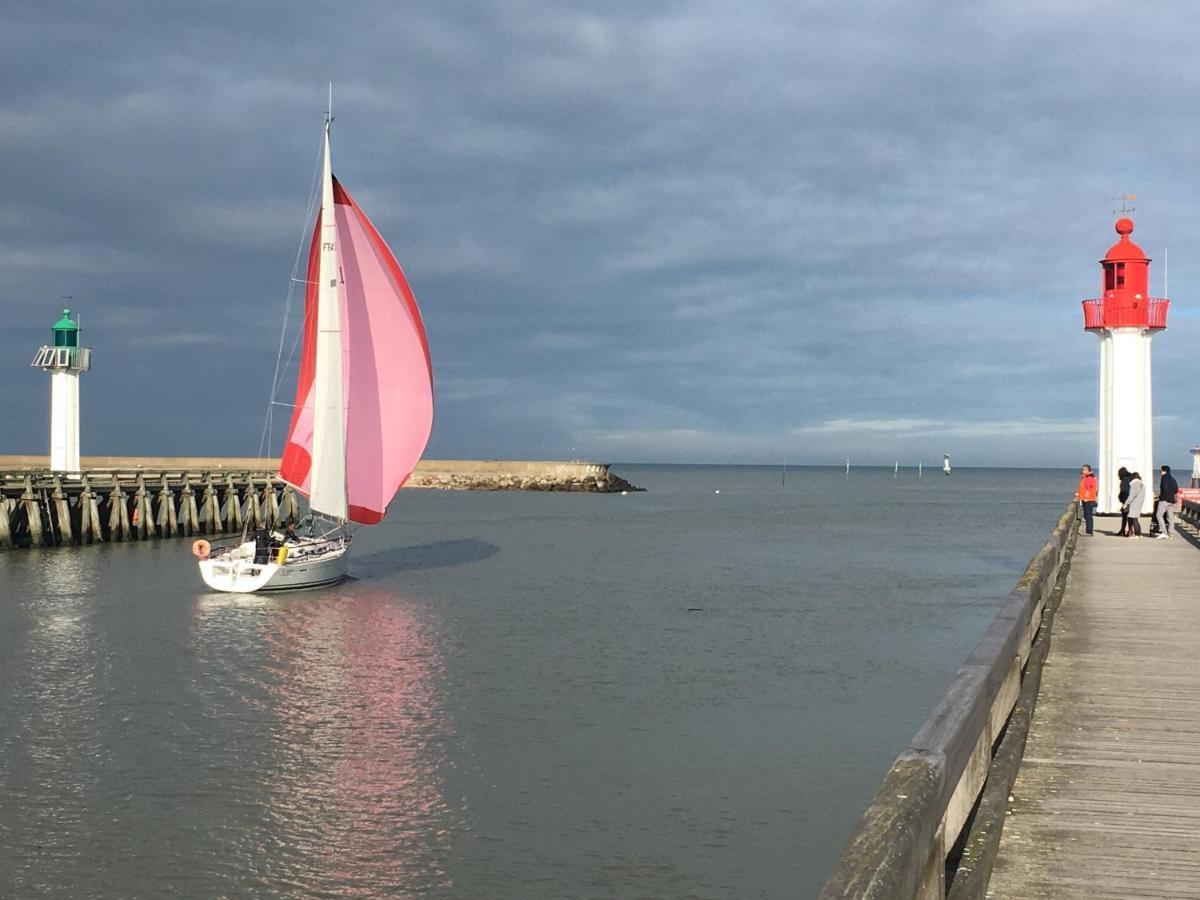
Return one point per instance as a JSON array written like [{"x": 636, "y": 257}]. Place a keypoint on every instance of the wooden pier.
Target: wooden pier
[
  {"x": 148, "y": 498},
  {"x": 1107, "y": 801},
  {"x": 1078, "y": 778},
  {"x": 41, "y": 508}
]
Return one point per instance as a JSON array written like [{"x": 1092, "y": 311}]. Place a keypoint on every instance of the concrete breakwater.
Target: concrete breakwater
[
  {"x": 514, "y": 475},
  {"x": 144, "y": 498}
]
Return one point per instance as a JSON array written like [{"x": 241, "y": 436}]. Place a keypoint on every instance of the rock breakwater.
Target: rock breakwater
[{"x": 510, "y": 475}]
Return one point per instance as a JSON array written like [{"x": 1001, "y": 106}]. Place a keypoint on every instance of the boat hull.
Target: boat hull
[{"x": 242, "y": 575}]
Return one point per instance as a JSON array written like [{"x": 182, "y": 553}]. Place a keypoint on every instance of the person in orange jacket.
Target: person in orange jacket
[{"x": 1086, "y": 495}]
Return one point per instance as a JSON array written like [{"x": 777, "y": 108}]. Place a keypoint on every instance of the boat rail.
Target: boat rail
[{"x": 304, "y": 547}]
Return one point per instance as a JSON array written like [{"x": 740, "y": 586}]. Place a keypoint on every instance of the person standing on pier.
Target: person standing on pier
[
  {"x": 1164, "y": 509},
  {"x": 1122, "y": 496},
  {"x": 1086, "y": 494},
  {"x": 1134, "y": 503}
]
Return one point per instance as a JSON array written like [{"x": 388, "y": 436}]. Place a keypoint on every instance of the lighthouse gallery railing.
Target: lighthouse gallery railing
[{"x": 1152, "y": 315}]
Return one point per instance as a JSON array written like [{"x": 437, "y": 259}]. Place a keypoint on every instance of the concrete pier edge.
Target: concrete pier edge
[{"x": 442, "y": 474}]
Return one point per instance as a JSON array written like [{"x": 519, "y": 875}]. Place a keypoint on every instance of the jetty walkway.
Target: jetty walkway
[
  {"x": 1107, "y": 800},
  {"x": 1064, "y": 761}
]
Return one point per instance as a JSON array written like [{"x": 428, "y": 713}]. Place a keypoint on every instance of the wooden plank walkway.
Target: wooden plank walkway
[{"x": 1107, "y": 801}]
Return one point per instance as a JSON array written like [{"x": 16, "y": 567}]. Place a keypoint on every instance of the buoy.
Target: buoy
[
  {"x": 200, "y": 548},
  {"x": 717, "y": 491}
]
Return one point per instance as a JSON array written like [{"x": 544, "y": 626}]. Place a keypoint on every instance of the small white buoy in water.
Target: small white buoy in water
[
  {"x": 717, "y": 491},
  {"x": 624, "y": 493}
]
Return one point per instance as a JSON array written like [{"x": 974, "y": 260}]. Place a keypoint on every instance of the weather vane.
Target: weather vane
[{"x": 1126, "y": 207}]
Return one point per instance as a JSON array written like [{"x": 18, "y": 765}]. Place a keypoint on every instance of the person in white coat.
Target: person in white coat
[{"x": 1134, "y": 503}]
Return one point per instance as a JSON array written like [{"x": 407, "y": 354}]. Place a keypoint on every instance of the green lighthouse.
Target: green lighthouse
[{"x": 65, "y": 360}]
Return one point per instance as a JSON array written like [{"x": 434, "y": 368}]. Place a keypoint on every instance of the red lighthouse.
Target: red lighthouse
[{"x": 1124, "y": 319}]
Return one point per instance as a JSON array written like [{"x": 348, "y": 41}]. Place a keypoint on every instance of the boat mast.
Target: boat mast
[{"x": 328, "y": 485}]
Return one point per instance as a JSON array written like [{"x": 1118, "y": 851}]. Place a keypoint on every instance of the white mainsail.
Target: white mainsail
[{"x": 328, "y": 485}]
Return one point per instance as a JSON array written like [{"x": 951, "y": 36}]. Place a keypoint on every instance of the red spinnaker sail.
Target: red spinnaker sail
[{"x": 386, "y": 369}]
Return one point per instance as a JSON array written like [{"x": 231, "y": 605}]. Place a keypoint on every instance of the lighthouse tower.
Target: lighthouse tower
[
  {"x": 1125, "y": 318},
  {"x": 65, "y": 360}
]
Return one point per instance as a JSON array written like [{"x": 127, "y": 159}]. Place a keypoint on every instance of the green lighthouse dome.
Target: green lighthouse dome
[{"x": 66, "y": 332}]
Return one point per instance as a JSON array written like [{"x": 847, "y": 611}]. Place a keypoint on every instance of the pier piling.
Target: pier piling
[
  {"x": 89, "y": 515},
  {"x": 118, "y": 513},
  {"x": 233, "y": 507},
  {"x": 253, "y": 510},
  {"x": 290, "y": 507},
  {"x": 144, "y": 517},
  {"x": 166, "y": 520},
  {"x": 210, "y": 509},
  {"x": 62, "y": 512},
  {"x": 5, "y": 530},
  {"x": 270, "y": 504},
  {"x": 33, "y": 514}
]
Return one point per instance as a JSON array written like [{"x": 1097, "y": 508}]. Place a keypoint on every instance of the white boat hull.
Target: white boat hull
[{"x": 237, "y": 572}]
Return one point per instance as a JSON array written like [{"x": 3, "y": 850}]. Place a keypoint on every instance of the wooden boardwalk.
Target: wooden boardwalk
[{"x": 1107, "y": 800}]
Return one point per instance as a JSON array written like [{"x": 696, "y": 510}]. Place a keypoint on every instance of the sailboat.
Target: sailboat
[
  {"x": 364, "y": 404},
  {"x": 945, "y": 463}
]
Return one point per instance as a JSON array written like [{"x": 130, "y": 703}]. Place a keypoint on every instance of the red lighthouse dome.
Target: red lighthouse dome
[{"x": 1126, "y": 301}]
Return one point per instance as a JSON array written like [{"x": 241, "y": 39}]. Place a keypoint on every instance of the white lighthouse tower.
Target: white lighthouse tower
[
  {"x": 65, "y": 360},
  {"x": 1125, "y": 318}
]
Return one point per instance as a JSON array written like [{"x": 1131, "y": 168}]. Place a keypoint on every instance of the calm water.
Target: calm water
[{"x": 681, "y": 693}]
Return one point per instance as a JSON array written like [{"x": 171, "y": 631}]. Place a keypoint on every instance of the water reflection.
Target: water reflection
[
  {"x": 352, "y": 783},
  {"x": 54, "y": 672}
]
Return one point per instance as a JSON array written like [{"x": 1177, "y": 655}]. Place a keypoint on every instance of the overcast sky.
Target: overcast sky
[{"x": 696, "y": 232}]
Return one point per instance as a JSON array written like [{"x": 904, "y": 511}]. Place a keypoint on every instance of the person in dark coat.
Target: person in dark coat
[
  {"x": 1122, "y": 496},
  {"x": 262, "y": 546},
  {"x": 1164, "y": 509}
]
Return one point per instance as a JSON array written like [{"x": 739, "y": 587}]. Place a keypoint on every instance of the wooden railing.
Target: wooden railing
[
  {"x": 1190, "y": 512},
  {"x": 900, "y": 846}
]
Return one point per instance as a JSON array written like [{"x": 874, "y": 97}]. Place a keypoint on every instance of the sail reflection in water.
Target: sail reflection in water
[{"x": 351, "y": 783}]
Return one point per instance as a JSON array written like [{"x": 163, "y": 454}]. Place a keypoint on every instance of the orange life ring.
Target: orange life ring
[{"x": 200, "y": 548}]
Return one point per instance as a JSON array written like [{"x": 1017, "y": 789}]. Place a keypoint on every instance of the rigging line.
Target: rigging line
[
  {"x": 287, "y": 307},
  {"x": 292, "y": 353},
  {"x": 287, "y": 364},
  {"x": 308, "y": 216}
]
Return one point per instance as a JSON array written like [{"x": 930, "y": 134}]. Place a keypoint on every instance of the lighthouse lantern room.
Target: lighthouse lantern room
[
  {"x": 1125, "y": 318},
  {"x": 65, "y": 360}
]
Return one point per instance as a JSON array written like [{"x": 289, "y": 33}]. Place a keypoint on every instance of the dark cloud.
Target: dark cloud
[{"x": 637, "y": 231}]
